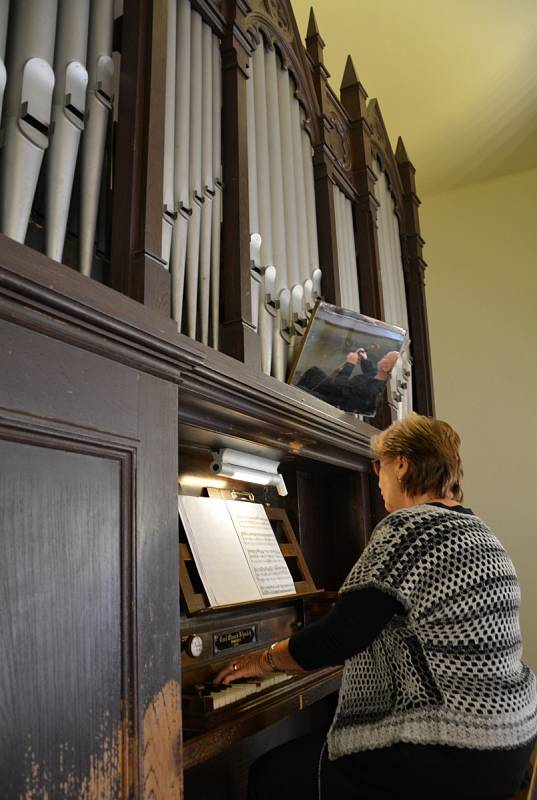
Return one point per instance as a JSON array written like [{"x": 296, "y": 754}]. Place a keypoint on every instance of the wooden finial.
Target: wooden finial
[
  {"x": 350, "y": 78},
  {"x": 401, "y": 155},
  {"x": 352, "y": 93},
  {"x": 313, "y": 29},
  {"x": 314, "y": 42}
]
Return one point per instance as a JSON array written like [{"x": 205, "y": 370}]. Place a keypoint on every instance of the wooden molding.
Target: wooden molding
[
  {"x": 414, "y": 266},
  {"x": 216, "y": 392}
]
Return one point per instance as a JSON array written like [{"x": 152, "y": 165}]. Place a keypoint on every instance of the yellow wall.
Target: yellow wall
[{"x": 481, "y": 286}]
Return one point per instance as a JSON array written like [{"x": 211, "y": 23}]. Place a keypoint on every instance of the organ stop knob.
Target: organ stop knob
[{"x": 193, "y": 645}]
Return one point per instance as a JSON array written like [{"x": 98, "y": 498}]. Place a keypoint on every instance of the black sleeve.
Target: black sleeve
[
  {"x": 352, "y": 624},
  {"x": 341, "y": 380},
  {"x": 368, "y": 368}
]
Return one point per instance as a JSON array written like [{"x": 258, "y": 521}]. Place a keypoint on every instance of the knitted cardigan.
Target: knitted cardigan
[{"x": 449, "y": 670}]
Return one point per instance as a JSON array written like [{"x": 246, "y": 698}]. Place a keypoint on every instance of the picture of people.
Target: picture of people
[{"x": 346, "y": 358}]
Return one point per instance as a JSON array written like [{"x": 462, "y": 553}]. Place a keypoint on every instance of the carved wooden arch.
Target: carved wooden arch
[
  {"x": 338, "y": 140},
  {"x": 381, "y": 149},
  {"x": 275, "y": 21}
]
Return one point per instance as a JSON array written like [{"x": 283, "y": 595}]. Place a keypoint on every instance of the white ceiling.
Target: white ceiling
[{"x": 457, "y": 79}]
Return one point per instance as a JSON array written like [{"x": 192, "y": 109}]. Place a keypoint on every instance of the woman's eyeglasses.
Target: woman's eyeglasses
[{"x": 375, "y": 466}]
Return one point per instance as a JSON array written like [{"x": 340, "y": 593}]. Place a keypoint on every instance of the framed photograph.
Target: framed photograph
[{"x": 346, "y": 358}]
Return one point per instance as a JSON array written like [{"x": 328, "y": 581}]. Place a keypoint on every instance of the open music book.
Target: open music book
[{"x": 235, "y": 550}]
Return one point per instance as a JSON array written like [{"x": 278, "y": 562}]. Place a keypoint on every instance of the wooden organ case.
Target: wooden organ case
[{"x": 179, "y": 182}]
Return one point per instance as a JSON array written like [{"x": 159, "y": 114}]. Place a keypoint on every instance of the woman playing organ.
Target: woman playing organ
[{"x": 435, "y": 700}]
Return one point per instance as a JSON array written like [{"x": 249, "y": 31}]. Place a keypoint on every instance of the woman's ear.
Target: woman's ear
[{"x": 402, "y": 467}]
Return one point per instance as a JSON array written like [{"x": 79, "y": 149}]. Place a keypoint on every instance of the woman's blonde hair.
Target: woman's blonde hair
[{"x": 432, "y": 450}]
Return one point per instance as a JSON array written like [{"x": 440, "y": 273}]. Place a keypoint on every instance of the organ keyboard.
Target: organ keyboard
[{"x": 208, "y": 697}]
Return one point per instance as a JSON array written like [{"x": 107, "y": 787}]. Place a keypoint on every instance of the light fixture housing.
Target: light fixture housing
[{"x": 246, "y": 467}]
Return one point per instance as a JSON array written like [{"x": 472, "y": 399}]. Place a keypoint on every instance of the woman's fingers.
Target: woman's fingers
[
  {"x": 244, "y": 667},
  {"x": 227, "y": 670}
]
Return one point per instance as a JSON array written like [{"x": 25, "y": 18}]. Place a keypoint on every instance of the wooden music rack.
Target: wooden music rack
[{"x": 195, "y": 598}]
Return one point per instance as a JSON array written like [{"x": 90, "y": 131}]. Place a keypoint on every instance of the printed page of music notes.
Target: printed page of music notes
[
  {"x": 261, "y": 548},
  {"x": 219, "y": 556}
]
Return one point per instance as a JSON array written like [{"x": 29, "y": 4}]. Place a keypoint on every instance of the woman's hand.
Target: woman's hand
[
  {"x": 257, "y": 664},
  {"x": 248, "y": 666}
]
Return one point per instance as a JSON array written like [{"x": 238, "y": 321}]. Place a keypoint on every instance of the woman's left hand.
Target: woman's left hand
[{"x": 247, "y": 666}]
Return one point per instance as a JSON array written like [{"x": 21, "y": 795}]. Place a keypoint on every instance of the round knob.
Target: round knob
[{"x": 193, "y": 645}]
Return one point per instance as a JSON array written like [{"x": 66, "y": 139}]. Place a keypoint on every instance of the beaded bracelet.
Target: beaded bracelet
[{"x": 270, "y": 657}]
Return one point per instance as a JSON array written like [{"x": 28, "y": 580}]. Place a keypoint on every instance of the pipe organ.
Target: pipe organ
[
  {"x": 203, "y": 184},
  {"x": 286, "y": 279}
]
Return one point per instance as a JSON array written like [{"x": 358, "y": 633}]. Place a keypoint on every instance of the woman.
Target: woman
[{"x": 435, "y": 701}]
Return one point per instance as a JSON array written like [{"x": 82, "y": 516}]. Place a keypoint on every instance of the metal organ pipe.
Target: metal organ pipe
[
  {"x": 207, "y": 182},
  {"x": 68, "y": 111},
  {"x": 276, "y": 204},
  {"x": 196, "y": 192},
  {"x": 306, "y": 275},
  {"x": 349, "y": 248},
  {"x": 300, "y": 188},
  {"x": 339, "y": 241},
  {"x": 263, "y": 201},
  {"x": 28, "y": 110},
  {"x": 354, "y": 295},
  {"x": 289, "y": 191},
  {"x": 400, "y": 378},
  {"x": 344, "y": 264},
  {"x": 217, "y": 201},
  {"x": 346, "y": 249},
  {"x": 169, "y": 214},
  {"x": 252, "y": 191},
  {"x": 310, "y": 202},
  {"x": 4, "y": 14},
  {"x": 182, "y": 106},
  {"x": 290, "y": 211},
  {"x": 276, "y": 171},
  {"x": 386, "y": 292},
  {"x": 99, "y": 105},
  {"x": 181, "y": 169}
]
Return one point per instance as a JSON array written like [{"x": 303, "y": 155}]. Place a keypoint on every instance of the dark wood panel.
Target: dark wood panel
[
  {"x": 335, "y": 523},
  {"x": 89, "y": 392},
  {"x": 61, "y": 673},
  {"x": 79, "y": 408}
]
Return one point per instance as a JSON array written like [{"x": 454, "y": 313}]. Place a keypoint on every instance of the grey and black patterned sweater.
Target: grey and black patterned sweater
[{"x": 449, "y": 671}]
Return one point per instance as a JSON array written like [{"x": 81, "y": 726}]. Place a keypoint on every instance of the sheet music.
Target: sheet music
[
  {"x": 261, "y": 548},
  {"x": 221, "y": 561}
]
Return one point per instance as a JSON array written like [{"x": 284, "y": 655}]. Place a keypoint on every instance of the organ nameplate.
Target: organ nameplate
[{"x": 236, "y": 638}]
